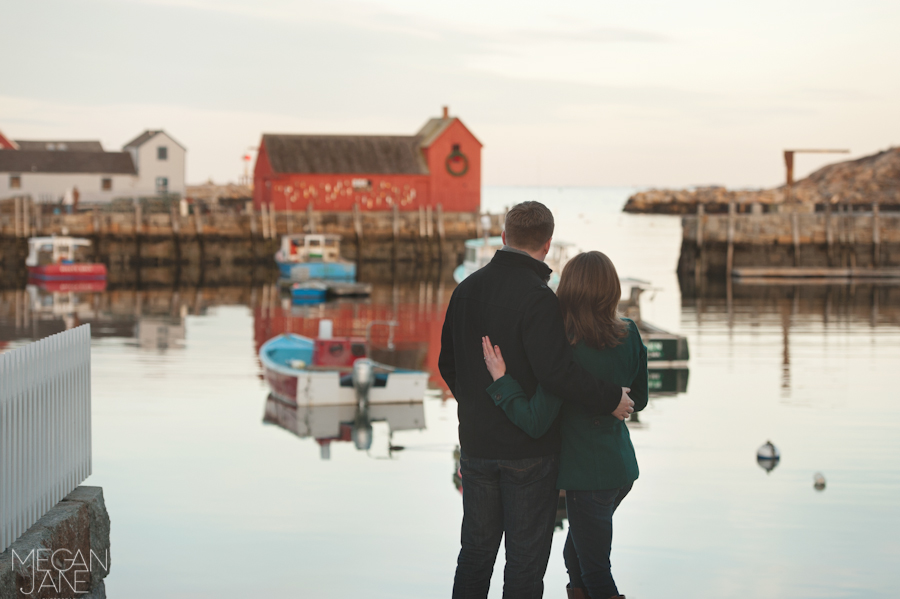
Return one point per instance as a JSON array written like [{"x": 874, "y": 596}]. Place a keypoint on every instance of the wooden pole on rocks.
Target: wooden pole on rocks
[{"x": 729, "y": 260}]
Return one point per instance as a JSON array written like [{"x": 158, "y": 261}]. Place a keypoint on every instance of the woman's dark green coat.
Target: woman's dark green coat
[{"x": 596, "y": 451}]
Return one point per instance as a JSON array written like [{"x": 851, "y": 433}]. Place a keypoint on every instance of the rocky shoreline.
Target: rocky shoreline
[{"x": 862, "y": 182}]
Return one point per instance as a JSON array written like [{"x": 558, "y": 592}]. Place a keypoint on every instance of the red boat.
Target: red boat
[{"x": 55, "y": 259}]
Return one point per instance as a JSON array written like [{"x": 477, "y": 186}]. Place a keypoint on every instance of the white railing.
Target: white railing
[{"x": 45, "y": 427}]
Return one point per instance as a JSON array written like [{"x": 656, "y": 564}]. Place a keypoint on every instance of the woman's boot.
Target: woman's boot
[{"x": 576, "y": 593}]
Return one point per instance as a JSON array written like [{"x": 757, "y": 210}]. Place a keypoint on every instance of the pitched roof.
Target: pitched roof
[
  {"x": 44, "y": 161},
  {"x": 60, "y": 145},
  {"x": 147, "y": 136},
  {"x": 434, "y": 128},
  {"x": 6, "y": 143},
  {"x": 340, "y": 154},
  {"x": 431, "y": 130}
]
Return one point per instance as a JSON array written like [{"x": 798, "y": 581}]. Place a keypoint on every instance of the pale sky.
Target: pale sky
[{"x": 561, "y": 93}]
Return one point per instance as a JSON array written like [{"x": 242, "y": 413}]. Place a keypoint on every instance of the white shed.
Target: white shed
[{"x": 159, "y": 161}]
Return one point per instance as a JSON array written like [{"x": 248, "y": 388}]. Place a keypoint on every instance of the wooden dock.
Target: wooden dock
[
  {"x": 836, "y": 243},
  {"x": 142, "y": 236}
]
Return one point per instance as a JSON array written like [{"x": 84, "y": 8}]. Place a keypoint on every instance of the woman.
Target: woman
[{"x": 597, "y": 463}]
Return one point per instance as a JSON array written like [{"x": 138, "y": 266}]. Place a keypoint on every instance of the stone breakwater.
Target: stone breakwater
[
  {"x": 862, "y": 182},
  {"x": 65, "y": 554}
]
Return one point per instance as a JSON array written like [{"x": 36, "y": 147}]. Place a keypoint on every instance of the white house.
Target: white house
[
  {"x": 48, "y": 175},
  {"x": 159, "y": 161},
  {"x": 150, "y": 165}
]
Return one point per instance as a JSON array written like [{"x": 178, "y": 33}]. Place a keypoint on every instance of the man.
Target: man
[{"x": 509, "y": 479}]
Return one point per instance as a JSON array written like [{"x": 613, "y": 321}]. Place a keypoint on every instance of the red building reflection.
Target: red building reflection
[{"x": 418, "y": 309}]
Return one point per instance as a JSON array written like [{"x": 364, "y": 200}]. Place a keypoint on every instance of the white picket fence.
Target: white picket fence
[{"x": 45, "y": 427}]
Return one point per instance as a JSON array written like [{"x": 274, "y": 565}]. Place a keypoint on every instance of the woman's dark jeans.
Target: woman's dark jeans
[
  {"x": 516, "y": 497},
  {"x": 590, "y": 539}
]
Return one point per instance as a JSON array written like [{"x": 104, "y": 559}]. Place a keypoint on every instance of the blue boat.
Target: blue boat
[
  {"x": 313, "y": 256},
  {"x": 313, "y": 292},
  {"x": 308, "y": 372}
]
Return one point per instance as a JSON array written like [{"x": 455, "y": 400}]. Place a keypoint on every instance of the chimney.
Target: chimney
[{"x": 446, "y": 112}]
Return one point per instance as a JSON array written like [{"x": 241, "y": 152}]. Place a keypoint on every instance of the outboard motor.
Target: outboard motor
[{"x": 363, "y": 377}]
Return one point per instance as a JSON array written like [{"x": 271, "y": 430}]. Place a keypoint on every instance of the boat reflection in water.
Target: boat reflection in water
[{"x": 369, "y": 429}]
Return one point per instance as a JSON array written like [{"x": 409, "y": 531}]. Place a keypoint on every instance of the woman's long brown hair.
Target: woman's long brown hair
[{"x": 589, "y": 293}]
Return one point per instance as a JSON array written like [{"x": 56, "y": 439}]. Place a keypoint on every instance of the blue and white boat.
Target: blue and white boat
[
  {"x": 335, "y": 371},
  {"x": 313, "y": 256},
  {"x": 481, "y": 251}
]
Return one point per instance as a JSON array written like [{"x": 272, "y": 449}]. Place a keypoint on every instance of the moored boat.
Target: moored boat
[
  {"x": 334, "y": 371},
  {"x": 481, "y": 251},
  {"x": 308, "y": 256},
  {"x": 55, "y": 259},
  {"x": 665, "y": 350}
]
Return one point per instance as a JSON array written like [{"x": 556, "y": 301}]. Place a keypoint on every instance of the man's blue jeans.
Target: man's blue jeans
[
  {"x": 590, "y": 539},
  {"x": 516, "y": 497}
]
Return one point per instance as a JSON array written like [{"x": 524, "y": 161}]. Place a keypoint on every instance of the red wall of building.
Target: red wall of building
[
  {"x": 455, "y": 193},
  {"x": 292, "y": 191}
]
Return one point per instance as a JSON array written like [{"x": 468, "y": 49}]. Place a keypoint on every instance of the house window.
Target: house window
[
  {"x": 15, "y": 181},
  {"x": 106, "y": 184},
  {"x": 162, "y": 153},
  {"x": 162, "y": 185}
]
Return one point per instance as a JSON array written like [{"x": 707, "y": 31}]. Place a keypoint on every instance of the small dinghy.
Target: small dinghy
[{"x": 334, "y": 371}]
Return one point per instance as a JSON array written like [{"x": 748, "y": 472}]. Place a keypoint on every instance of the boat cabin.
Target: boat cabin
[
  {"x": 54, "y": 250},
  {"x": 311, "y": 247}
]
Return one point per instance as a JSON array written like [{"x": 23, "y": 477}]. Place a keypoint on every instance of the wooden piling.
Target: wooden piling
[
  {"x": 700, "y": 212},
  {"x": 252, "y": 217},
  {"x": 310, "y": 222},
  {"x": 795, "y": 236},
  {"x": 729, "y": 259},
  {"x": 273, "y": 226},
  {"x": 396, "y": 231},
  {"x": 829, "y": 235},
  {"x": 876, "y": 236},
  {"x": 264, "y": 219},
  {"x": 440, "y": 232},
  {"x": 138, "y": 217}
]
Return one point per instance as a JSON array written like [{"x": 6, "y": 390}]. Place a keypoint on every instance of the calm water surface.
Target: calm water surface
[{"x": 215, "y": 492}]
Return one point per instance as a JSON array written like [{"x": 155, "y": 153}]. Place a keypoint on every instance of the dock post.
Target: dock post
[
  {"x": 729, "y": 259},
  {"x": 38, "y": 225},
  {"x": 440, "y": 233},
  {"x": 273, "y": 226},
  {"x": 17, "y": 208},
  {"x": 310, "y": 222},
  {"x": 829, "y": 234},
  {"x": 252, "y": 219},
  {"x": 876, "y": 236},
  {"x": 264, "y": 219},
  {"x": 795, "y": 236},
  {"x": 138, "y": 217},
  {"x": 396, "y": 229}
]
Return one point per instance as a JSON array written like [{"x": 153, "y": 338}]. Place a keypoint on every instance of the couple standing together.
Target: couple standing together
[{"x": 543, "y": 385}]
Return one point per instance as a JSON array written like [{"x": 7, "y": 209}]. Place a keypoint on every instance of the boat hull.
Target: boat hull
[
  {"x": 68, "y": 272},
  {"x": 324, "y": 386},
  {"x": 303, "y": 271}
]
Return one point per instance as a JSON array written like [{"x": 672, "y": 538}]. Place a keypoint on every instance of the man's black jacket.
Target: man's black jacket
[{"x": 509, "y": 301}]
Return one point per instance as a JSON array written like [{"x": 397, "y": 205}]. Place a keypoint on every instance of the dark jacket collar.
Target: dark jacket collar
[{"x": 519, "y": 260}]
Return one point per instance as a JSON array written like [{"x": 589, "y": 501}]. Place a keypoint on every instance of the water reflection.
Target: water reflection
[
  {"x": 336, "y": 424},
  {"x": 789, "y": 309}
]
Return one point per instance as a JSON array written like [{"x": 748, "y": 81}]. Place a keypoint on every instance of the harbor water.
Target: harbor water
[{"x": 214, "y": 491}]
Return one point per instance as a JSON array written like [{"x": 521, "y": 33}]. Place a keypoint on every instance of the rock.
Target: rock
[{"x": 866, "y": 180}]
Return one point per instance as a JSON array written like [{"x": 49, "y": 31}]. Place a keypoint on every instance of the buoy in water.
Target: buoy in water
[
  {"x": 767, "y": 456},
  {"x": 819, "y": 481}
]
